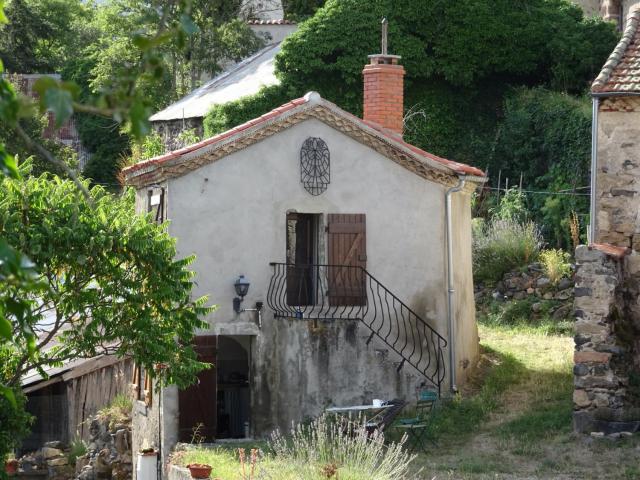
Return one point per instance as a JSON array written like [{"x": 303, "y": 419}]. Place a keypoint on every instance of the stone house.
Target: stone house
[
  {"x": 607, "y": 356},
  {"x": 357, "y": 250}
]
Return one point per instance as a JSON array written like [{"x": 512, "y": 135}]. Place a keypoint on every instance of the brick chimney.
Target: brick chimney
[{"x": 384, "y": 88}]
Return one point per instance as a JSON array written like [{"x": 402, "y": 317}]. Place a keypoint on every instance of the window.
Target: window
[
  {"x": 302, "y": 255},
  {"x": 155, "y": 203},
  {"x": 142, "y": 385}
]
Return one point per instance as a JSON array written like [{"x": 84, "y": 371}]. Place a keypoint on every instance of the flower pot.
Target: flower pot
[
  {"x": 199, "y": 470},
  {"x": 11, "y": 466}
]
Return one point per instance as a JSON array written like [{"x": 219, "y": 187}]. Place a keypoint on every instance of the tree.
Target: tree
[
  {"x": 461, "y": 59},
  {"x": 23, "y": 290},
  {"x": 109, "y": 281},
  {"x": 42, "y": 34}
]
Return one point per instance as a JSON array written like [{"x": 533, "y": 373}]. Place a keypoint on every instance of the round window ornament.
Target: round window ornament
[{"x": 314, "y": 165}]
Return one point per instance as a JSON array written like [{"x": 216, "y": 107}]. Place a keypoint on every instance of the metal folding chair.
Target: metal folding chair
[{"x": 417, "y": 428}]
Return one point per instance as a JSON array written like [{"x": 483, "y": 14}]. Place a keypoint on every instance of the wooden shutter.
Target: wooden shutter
[
  {"x": 198, "y": 403},
  {"x": 347, "y": 250}
]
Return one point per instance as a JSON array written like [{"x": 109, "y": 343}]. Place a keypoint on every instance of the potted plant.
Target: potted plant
[
  {"x": 199, "y": 470},
  {"x": 11, "y": 466}
]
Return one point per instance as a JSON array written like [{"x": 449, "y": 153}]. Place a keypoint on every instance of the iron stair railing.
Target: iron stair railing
[{"x": 320, "y": 292}]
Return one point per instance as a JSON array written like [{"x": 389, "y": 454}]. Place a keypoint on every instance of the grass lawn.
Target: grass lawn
[
  {"x": 512, "y": 422},
  {"x": 517, "y": 425}
]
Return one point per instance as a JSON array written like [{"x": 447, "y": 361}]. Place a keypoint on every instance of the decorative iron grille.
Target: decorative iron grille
[{"x": 315, "y": 165}]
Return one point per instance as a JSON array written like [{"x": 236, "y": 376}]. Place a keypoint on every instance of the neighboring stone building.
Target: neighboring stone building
[
  {"x": 611, "y": 10},
  {"x": 67, "y": 133},
  {"x": 358, "y": 250},
  {"x": 607, "y": 357},
  {"x": 237, "y": 81}
]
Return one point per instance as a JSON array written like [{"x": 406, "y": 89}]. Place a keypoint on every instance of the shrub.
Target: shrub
[
  {"x": 512, "y": 207},
  {"x": 77, "y": 448},
  {"x": 14, "y": 424},
  {"x": 556, "y": 264},
  {"x": 322, "y": 444},
  {"x": 502, "y": 246}
]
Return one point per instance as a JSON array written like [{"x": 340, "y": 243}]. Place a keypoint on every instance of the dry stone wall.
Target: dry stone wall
[{"x": 606, "y": 354}]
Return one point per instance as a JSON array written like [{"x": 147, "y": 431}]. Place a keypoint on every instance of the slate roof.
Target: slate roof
[
  {"x": 304, "y": 105},
  {"x": 621, "y": 72},
  {"x": 244, "y": 78}
]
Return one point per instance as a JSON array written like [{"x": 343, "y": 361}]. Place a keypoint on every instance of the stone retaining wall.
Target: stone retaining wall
[{"x": 606, "y": 356}]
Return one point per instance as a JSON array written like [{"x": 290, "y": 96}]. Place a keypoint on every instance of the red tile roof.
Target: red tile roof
[
  {"x": 280, "y": 21},
  {"x": 621, "y": 72},
  {"x": 611, "y": 250},
  {"x": 391, "y": 137}
]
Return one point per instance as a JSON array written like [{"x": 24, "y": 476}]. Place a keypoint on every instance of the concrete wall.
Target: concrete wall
[
  {"x": 155, "y": 426},
  {"x": 232, "y": 214},
  {"x": 618, "y": 176}
]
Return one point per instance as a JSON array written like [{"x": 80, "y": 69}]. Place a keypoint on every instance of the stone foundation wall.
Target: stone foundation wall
[
  {"x": 604, "y": 398},
  {"x": 618, "y": 189}
]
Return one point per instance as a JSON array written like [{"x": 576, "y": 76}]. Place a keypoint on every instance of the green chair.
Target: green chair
[{"x": 418, "y": 428}]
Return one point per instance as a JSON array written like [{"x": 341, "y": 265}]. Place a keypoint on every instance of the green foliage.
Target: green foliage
[
  {"x": 110, "y": 280},
  {"x": 556, "y": 264},
  {"x": 502, "y": 246},
  {"x": 512, "y": 207},
  {"x": 225, "y": 116},
  {"x": 546, "y": 136},
  {"x": 118, "y": 411},
  {"x": 459, "y": 416},
  {"x": 35, "y": 125},
  {"x": 519, "y": 314},
  {"x": 149, "y": 147},
  {"x": 77, "y": 448},
  {"x": 353, "y": 453},
  {"x": 301, "y": 9},
  {"x": 14, "y": 423},
  {"x": 188, "y": 137},
  {"x": 41, "y": 34}
]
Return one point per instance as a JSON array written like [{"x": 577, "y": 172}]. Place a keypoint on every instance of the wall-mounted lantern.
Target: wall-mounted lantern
[{"x": 241, "y": 286}]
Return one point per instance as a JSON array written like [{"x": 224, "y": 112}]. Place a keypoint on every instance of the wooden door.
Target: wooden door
[
  {"x": 198, "y": 403},
  {"x": 347, "y": 251}
]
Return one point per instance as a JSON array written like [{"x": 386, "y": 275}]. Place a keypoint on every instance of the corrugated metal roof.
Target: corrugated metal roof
[{"x": 245, "y": 78}]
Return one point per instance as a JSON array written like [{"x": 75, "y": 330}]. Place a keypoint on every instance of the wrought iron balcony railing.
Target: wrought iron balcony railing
[{"x": 351, "y": 292}]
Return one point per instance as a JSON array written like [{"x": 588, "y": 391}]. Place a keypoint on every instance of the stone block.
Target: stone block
[
  {"x": 57, "y": 462},
  {"x": 580, "y": 370},
  {"x": 589, "y": 328},
  {"x": 581, "y": 399},
  {"x": 585, "y": 255},
  {"x": 582, "y": 292},
  {"x": 582, "y": 421},
  {"x": 591, "y": 357},
  {"x": 589, "y": 381},
  {"x": 601, "y": 400},
  {"x": 48, "y": 452}
]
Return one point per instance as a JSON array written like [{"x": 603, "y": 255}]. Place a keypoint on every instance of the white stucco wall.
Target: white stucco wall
[{"x": 232, "y": 215}]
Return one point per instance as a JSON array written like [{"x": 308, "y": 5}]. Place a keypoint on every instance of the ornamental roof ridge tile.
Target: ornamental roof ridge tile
[
  {"x": 621, "y": 72},
  {"x": 277, "y": 21},
  {"x": 311, "y": 99}
]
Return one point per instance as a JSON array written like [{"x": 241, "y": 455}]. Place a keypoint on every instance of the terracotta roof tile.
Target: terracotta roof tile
[
  {"x": 611, "y": 250},
  {"x": 279, "y": 21},
  {"x": 621, "y": 72},
  {"x": 391, "y": 137}
]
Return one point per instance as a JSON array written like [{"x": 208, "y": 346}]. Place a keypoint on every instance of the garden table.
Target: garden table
[{"x": 370, "y": 416}]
